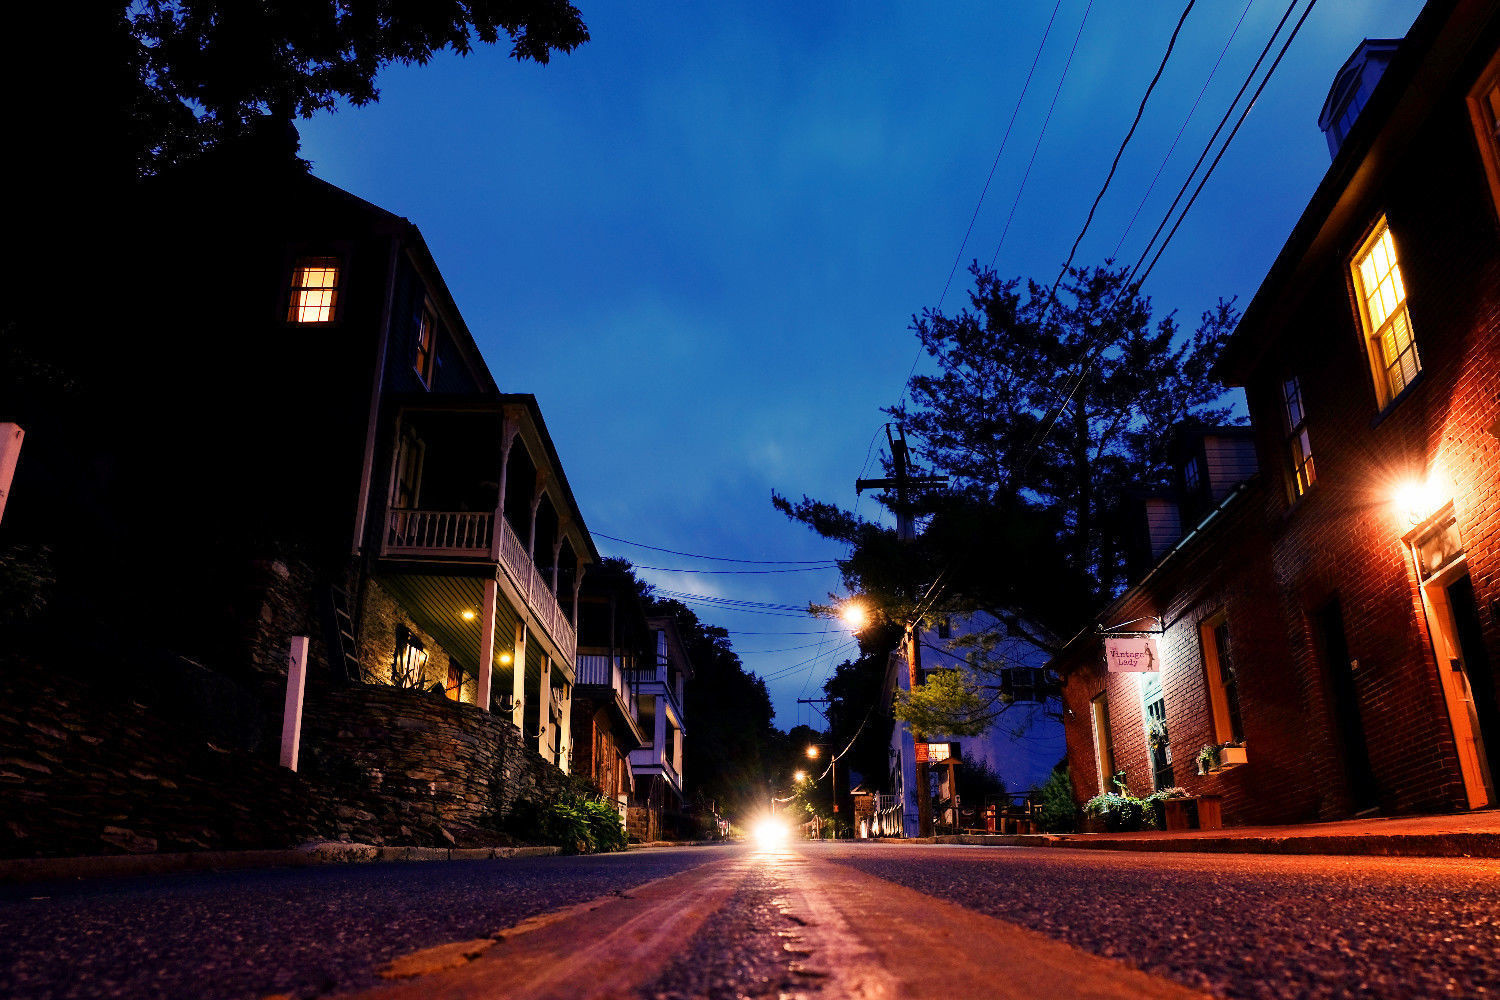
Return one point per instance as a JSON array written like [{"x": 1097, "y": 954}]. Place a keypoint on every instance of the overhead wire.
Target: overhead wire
[
  {"x": 697, "y": 555},
  {"x": 1213, "y": 70},
  {"x": 1055, "y": 413}
]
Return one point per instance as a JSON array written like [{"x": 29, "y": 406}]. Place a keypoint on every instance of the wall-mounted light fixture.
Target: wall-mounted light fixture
[{"x": 1418, "y": 499}]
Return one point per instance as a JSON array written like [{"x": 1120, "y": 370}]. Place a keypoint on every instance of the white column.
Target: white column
[
  {"x": 518, "y": 679},
  {"x": 544, "y": 706},
  {"x": 565, "y": 731},
  {"x": 677, "y": 750},
  {"x": 659, "y": 738},
  {"x": 507, "y": 439},
  {"x": 487, "y": 643},
  {"x": 557, "y": 545},
  {"x": 11, "y": 436},
  {"x": 577, "y": 586},
  {"x": 536, "y": 505},
  {"x": 291, "y": 717}
]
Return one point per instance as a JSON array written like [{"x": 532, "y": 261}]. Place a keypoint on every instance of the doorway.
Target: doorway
[{"x": 1344, "y": 701}]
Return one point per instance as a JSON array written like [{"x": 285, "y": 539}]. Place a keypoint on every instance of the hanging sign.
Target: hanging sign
[{"x": 1131, "y": 654}]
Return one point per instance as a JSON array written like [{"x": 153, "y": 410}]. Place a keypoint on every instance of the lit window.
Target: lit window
[
  {"x": 1484, "y": 109},
  {"x": 426, "y": 342},
  {"x": 938, "y": 751},
  {"x": 1382, "y": 299},
  {"x": 1298, "y": 444},
  {"x": 409, "y": 667},
  {"x": 1223, "y": 684},
  {"x": 315, "y": 290},
  {"x": 456, "y": 678}
]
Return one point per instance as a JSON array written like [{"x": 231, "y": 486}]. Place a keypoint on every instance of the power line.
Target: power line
[
  {"x": 1024, "y": 87},
  {"x": 1213, "y": 70},
  {"x": 794, "y": 569},
  {"x": 1041, "y": 134},
  {"x": 1131, "y": 281},
  {"x": 958, "y": 258},
  {"x": 696, "y": 555},
  {"x": 1114, "y": 165}
]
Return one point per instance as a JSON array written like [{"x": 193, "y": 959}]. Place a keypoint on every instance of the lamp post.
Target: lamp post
[{"x": 833, "y": 772}]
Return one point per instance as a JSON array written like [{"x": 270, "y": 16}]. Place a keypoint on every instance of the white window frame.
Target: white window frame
[
  {"x": 1484, "y": 112},
  {"x": 1389, "y": 292}
]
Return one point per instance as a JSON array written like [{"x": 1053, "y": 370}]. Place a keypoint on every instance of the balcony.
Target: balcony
[
  {"x": 469, "y": 536},
  {"x": 595, "y": 669}
]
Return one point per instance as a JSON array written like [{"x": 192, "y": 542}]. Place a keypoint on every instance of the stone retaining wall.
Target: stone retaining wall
[{"x": 422, "y": 767}]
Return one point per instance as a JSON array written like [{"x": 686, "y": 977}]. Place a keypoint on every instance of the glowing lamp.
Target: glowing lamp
[
  {"x": 800, "y": 776},
  {"x": 854, "y": 615},
  {"x": 812, "y": 752},
  {"x": 505, "y": 659},
  {"x": 770, "y": 833},
  {"x": 467, "y": 614},
  {"x": 1417, "y": 499}
]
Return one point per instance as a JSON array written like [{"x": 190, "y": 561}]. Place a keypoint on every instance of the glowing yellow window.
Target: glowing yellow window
[
  {"x": 1484, "y": 110},
  {"x": 1382, "y": 299},
  {"x": 315, "y": 290}
]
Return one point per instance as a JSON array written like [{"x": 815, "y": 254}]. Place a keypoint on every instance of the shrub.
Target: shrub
[
  {"x": 577, "y": 825},
  {"x": 1056, "y": 810}
]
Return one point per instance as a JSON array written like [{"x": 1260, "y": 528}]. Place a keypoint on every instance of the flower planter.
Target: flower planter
[
  {"x": 1232, "y": 757},
  {"x": 1179, "y": 814}
]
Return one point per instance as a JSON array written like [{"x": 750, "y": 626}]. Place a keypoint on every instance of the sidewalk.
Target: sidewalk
[{"x": 1461, "y": 835}]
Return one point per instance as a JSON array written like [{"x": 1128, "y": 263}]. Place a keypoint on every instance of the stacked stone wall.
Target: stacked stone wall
[{"x": 85, "y": 771}]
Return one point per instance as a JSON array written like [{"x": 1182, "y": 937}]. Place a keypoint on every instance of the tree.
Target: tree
[
  {"x": 185, "y": 76},
  {"x": 1044, "y": 411}
]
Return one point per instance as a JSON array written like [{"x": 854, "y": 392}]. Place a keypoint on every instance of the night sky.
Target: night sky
[{"x": 700, "y": 239}]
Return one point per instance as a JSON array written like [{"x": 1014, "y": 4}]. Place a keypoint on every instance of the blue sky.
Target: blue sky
[{"x": 699, "y": 239}]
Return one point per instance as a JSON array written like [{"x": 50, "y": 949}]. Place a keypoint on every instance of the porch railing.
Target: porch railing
[
  {"x": 469, "y": 534},
  {"x": 438, "y": 532},
  {"x": 596, "y": 668}
]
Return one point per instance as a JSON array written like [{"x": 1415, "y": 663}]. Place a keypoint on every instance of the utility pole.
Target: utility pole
[
  {"x": 905, "y": 485},
  {"x": 833, "y": 761}
]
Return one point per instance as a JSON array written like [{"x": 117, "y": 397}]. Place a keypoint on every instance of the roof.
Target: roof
[{"x": 1418, "y": 76}]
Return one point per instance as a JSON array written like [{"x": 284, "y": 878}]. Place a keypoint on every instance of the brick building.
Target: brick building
[{"x": 1334, "y": 618}]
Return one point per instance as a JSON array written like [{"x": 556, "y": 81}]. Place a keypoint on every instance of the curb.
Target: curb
[
  {"x": 673, "y": 843},
  {"x": 1417, "y": 845},
  {"x": 304, "y": 856}
]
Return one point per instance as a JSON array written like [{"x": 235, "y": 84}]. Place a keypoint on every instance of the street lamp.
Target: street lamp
[
  {"x": 799, "y": 777},
  {"x": 854, "y": 615},
  {"x": 833, "y": 771}
]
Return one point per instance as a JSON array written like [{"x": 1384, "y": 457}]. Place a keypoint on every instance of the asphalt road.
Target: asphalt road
[
  {"x": 1240, "y": 926},
  {"x": 783, "y": 924},
  {"x": 305, "y": 932}
]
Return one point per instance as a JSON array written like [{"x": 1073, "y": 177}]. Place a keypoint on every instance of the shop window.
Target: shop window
[
  {"x": 409, "y": 667},
  {"x": 1158, "y": 742},
  {"x": 1299, "y": 446},
  {"x": 315, "y": 290},
  {"x": 1104, "y": 747},
  {"x": 1223, "y": 684},
  {"x": 1394, "y": 358},
  {"x": 1484, "y": 109}
]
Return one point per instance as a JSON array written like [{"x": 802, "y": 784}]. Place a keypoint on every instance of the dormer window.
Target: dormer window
[
  {"x": 1382, "y": 305},
  {"x": 315, "y": 290}
]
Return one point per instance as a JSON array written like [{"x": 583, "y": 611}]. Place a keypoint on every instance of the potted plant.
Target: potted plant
[
  {"x": 1177, "y": 809},
  {"x": 1233, "y": 755},
  {"x": 1208, "y": 759},
  {"x": 1156, "y": 734}
]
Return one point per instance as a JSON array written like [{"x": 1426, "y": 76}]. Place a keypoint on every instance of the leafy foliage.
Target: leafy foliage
[
  {"x": 948, "y": 702},
  {"x": 1044, "y": 412},
  {"x": 1057, "y": 812},
  {"x": 1122, "y": 811},
  {"x": 577, "y": 824},
  {"x": 194, "y": 74}
]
